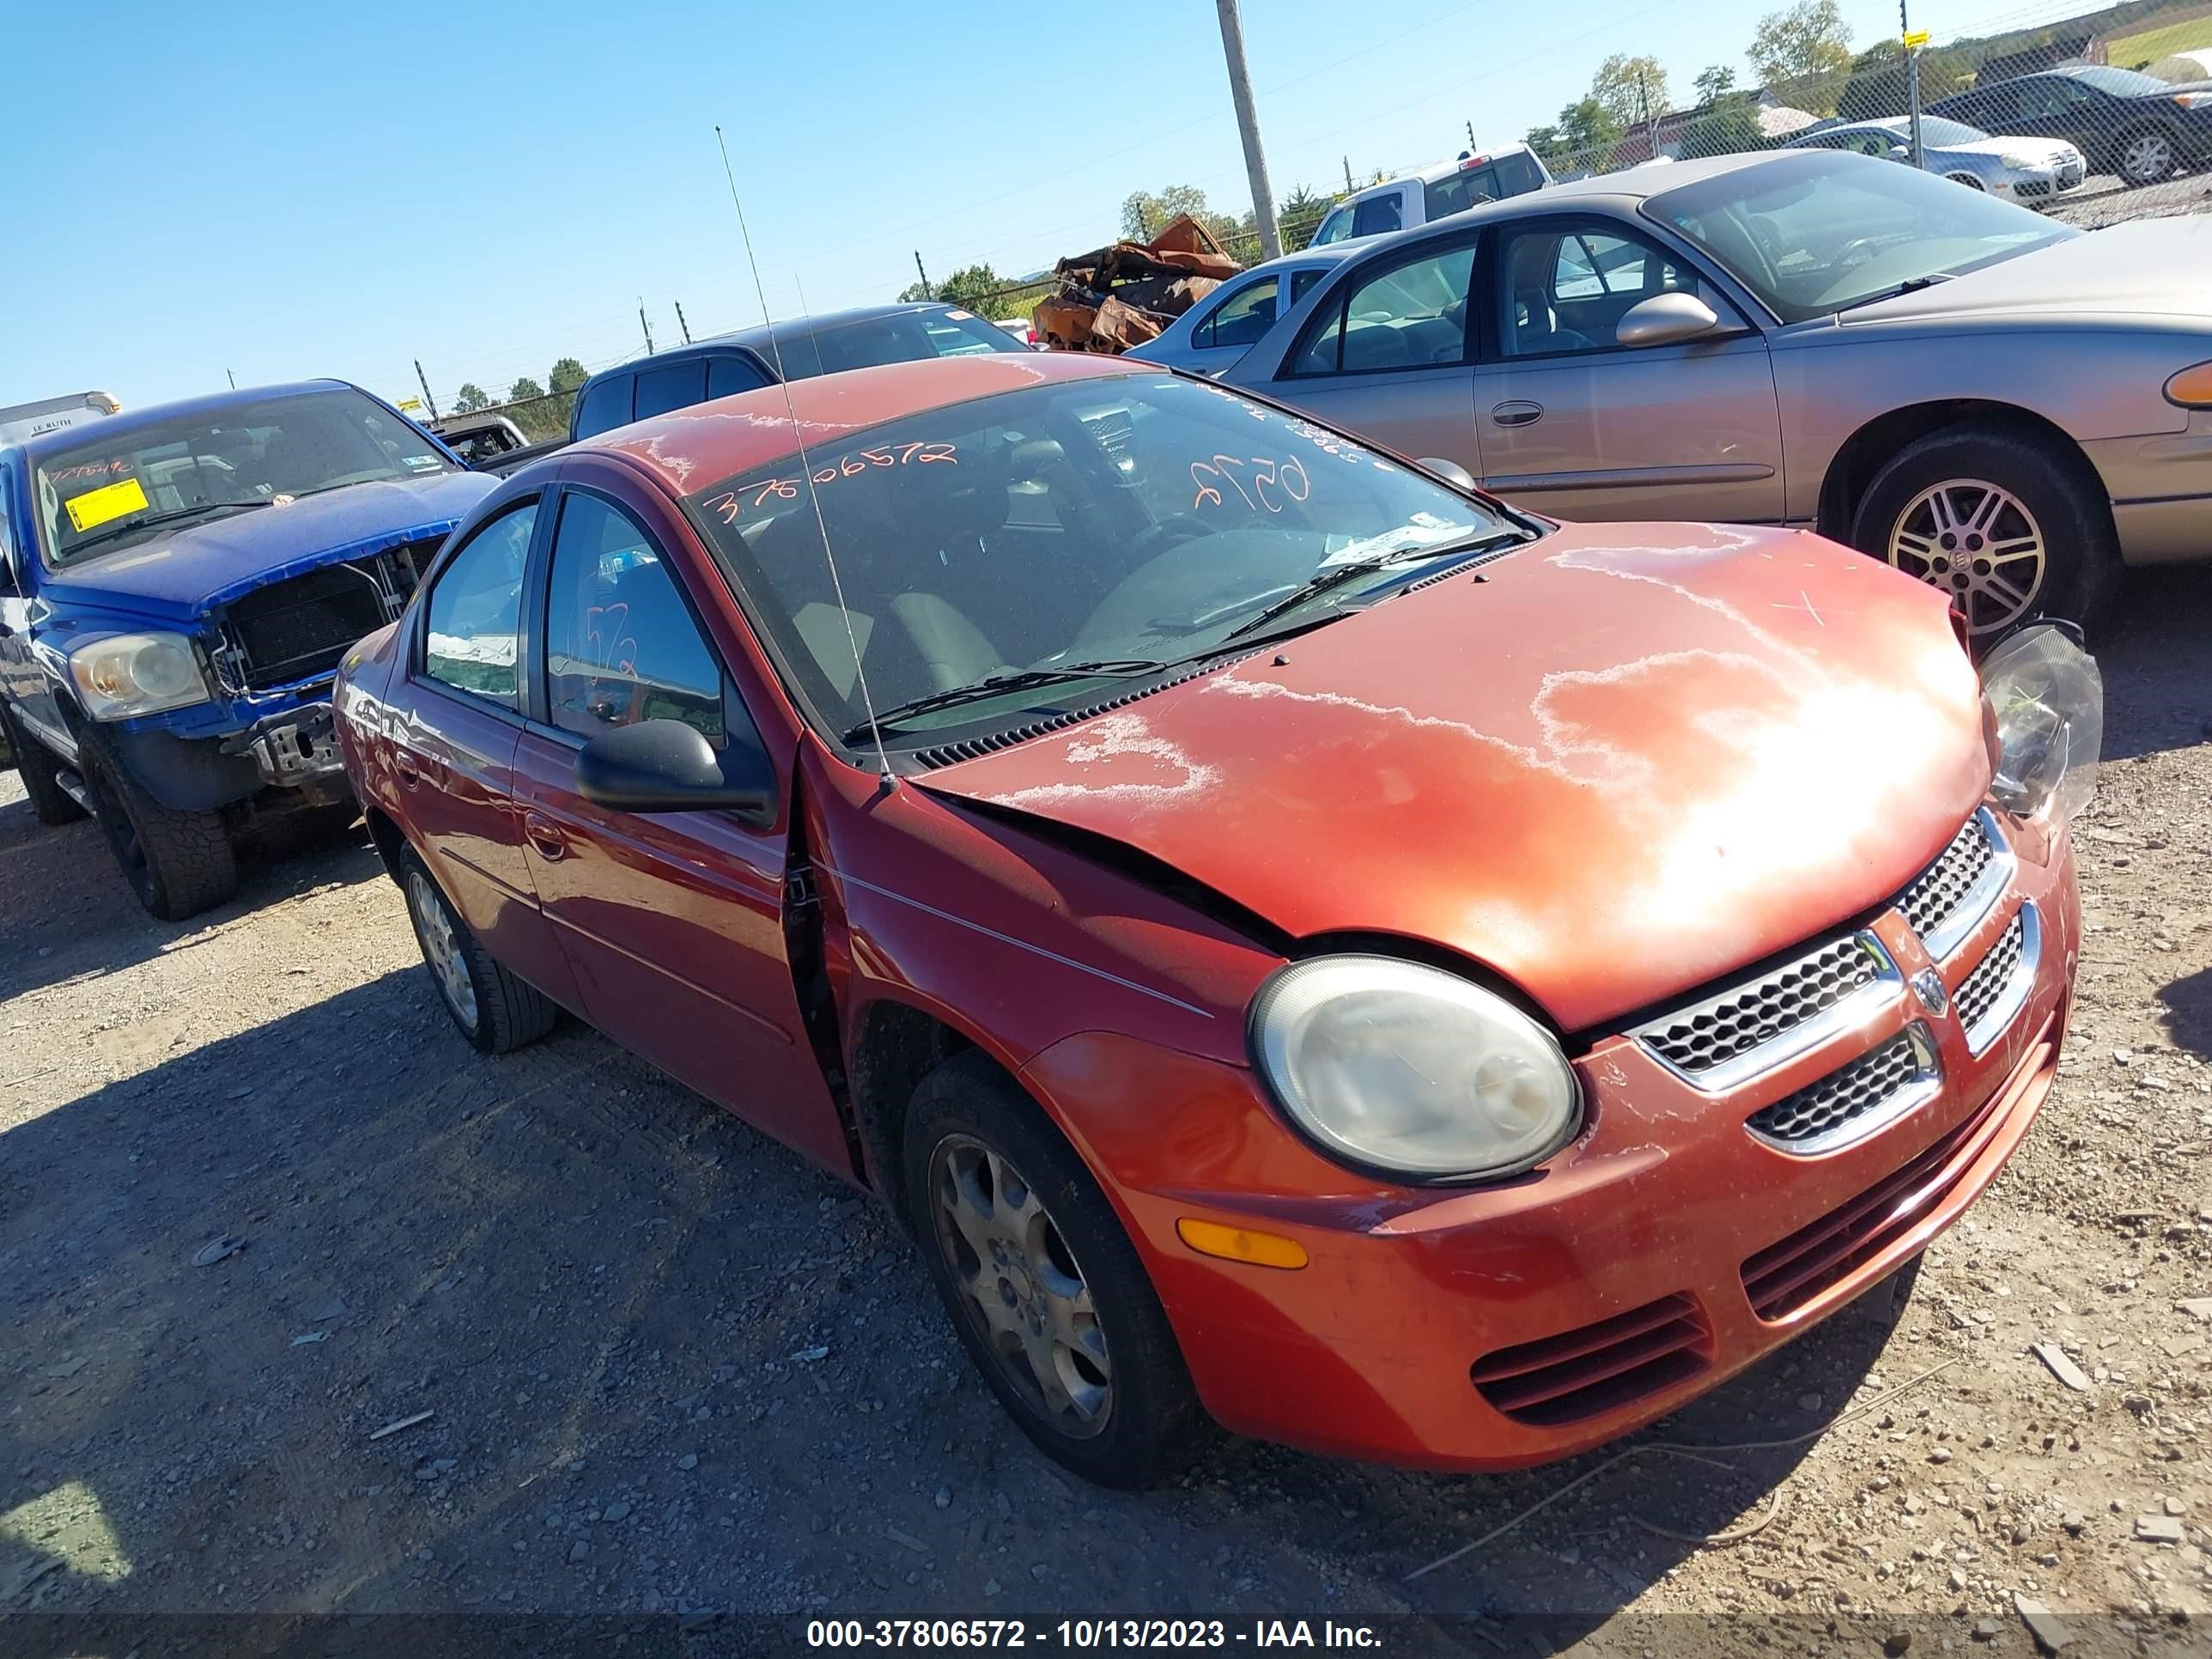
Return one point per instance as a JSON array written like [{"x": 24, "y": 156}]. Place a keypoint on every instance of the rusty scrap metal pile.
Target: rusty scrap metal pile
[{"x": 1121, "y": 296}]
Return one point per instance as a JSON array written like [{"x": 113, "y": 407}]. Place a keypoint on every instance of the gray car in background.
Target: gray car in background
[
  {"x": 2018, "y": 169},
  {"x": 2001, "y": 404},
  {"x": 1227, "y": 323}
]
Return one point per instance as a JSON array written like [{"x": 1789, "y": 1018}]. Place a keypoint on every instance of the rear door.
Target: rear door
[
  {"x": 457, "y": 714},
  {"x": 1575, "y": 424},
  {"x": 1385, "y": 352},
  {"x": 673, "y": 922}
]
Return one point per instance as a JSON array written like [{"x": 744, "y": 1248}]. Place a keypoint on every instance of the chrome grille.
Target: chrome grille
[
  {"x": 1750, "y": 1027},
  {"x": 1951, "y": 895},
  {"x": 1988, "y": 998},
  {"x": 1872, "y": 1091}
]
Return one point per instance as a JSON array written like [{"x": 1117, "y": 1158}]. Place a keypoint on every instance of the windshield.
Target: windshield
[
  {"x": 1129, "y": 522},
  {"x": 907, "y": 337},
  {"x": 112, "y": 492},
  {"x": 2120, "y": 83},
  {"x": 1813, "y": 233}
]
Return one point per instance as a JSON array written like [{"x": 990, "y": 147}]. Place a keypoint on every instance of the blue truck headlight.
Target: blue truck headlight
[{"x": 130, "y": 674}]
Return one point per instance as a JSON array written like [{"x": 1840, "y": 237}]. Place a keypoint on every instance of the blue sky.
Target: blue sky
[{"x": 288, "y": 191}]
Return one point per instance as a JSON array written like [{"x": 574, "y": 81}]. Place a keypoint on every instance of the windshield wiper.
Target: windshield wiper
[
  {"x": 1911, "y": 285},
  {"x": 153, "y": 520},
  {"x": 1116, "y": 668},
  {"x": 1332, "y": 576}
]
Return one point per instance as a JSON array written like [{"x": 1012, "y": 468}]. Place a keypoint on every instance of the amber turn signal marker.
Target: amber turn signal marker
[
  {"x": 1241, "y": 1244},
  {"x": 2191, "y": 388}
]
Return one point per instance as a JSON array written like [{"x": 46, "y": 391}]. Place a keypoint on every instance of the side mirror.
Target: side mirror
[
  {"x": 665, "y": 766},
  {"x": 1665, "y": 320},
  {"x": 1900, "y": 152},
  {"x": 1451, "y": 472}
]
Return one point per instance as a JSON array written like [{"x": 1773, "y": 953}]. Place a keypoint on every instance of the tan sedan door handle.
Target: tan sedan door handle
[{"x": 1516, "y": 414}]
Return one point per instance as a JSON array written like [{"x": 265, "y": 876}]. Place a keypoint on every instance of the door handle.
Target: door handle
[
  {"x": 1516, "y": 414},
  {"x": 545, "y": 835}
]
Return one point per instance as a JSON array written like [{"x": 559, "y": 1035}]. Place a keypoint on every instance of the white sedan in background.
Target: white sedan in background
[{"x": 2025, "y": 170}]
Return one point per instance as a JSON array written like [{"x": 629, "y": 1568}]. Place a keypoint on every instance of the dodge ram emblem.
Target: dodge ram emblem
[{"x": 1928, "y": 985}]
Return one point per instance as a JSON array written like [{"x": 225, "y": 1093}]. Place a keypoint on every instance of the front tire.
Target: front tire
[
  {"x": 178, "y": 863},
  {"x": 2010, "y": 527},
  {"x": 1048, "y": 1295},
  {"x": 40, "y": 768},
  {"x": 496, "y": 1011},
  {"x": 1969, "y": 180}
]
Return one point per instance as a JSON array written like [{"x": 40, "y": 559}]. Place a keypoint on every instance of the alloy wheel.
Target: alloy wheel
[
  {"x": 1021, "y": 1286},
  {"x": 442, "y": 949},
  {"x": 2148, "y": 158},
  {"x": 1977, "y": 541}
]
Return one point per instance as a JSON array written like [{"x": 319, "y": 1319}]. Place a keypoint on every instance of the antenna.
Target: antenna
[{"x": 806, "y": 467}]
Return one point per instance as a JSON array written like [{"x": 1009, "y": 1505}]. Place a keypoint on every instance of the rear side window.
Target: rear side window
[
  {"x": 473, "y": 616},
  {"x": 1377, "y": 214},
  {"x": 1246, "y": 315},
  {"x": 1301, "y": 282},
  {"x": 727, "y": 376},
  {"x": 678, "y": 385},
  {"x": 1518, "y": 174},
  {"x": 621, "y": 645},
  {"x": 1334, "y": 228},
  {"x": 1470, "y": 187},
  {"x": 604, "y": 407}
]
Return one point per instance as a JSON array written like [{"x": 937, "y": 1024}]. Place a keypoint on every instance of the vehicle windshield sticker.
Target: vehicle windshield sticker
[
  {"x": 959, "y": 316},
  {"x": 751, "y": 497},
  {"x": 97, "y": 506},
  {"x": 420, "y": 463}
]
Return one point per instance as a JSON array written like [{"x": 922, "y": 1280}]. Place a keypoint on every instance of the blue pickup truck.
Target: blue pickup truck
[{"x": 177, "y": 585}]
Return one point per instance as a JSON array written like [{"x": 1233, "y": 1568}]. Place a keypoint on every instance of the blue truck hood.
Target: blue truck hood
[{"x": 196, "y": 568}]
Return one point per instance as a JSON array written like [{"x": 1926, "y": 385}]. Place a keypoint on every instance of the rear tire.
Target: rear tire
[
  {"x": 2030, "y": 535},
  {"x": 40, "y": 768},
  {"x": 178, "y": 863},
  {"x": 496, "y": 1011},
  {"x": 2146, "y": 156},
  {"x": 1115, "y": 1402}
]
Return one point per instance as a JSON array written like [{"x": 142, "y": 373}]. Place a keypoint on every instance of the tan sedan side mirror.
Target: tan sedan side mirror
[{"x": 1665, "y": 320}]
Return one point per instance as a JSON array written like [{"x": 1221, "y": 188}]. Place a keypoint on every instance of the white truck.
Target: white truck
[
  {"x": 22, "y": 421},
  {"x": 1434, "y": 192}
]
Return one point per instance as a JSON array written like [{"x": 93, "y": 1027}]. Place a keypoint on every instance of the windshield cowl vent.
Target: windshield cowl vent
[{"x": 948, "y": 754}]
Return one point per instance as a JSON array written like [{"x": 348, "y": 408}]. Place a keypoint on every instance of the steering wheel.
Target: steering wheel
[
  {"x": 1859, "y": 250},
  {"x": 1155, "y": 537}
]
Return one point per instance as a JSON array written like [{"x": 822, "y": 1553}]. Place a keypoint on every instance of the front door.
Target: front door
[
  {"x": 24, "y": 681},
  {"x": 673, "y": 923},
  {"x": 1385, "y": 354},
  {"x": 455, "y": 717},
  {"x": 1579, "y": 426}
]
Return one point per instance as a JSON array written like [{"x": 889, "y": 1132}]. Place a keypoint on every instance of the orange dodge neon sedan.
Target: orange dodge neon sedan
[{"x": 1300, "y": 944}]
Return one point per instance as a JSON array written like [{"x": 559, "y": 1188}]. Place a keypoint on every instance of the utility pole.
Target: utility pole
[
  {"x": 1347, "y": 175},
  {"x": 644, "y": 325},
  {"x": 234, "y": 381},
  {"x": 1471, "y": 145},
  {"x": 428, "y": 402},
  {"x": 1248, "y": 126},
  {"x": 1912, "y": 43},
  {"x": 926, "y": 287},
  {"x": 681, "y": 324}
]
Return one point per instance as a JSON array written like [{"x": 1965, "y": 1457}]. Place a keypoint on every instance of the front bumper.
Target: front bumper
[
  {"x": 293, "y": 750},
  {"x": 1666, "y": 1249}
]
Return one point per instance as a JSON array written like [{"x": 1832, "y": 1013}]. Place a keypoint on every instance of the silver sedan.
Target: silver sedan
[{"x": 2002, "y": 405}]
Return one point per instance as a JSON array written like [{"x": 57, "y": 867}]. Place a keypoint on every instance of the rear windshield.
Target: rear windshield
[
  {"x": 910, "y": 337},
  {"x": 2120, "y": 83},
  {"x": 119, "y": 487}
]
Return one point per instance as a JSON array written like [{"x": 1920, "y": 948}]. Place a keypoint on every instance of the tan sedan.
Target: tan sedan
[{"x": 2005, "y": 406}]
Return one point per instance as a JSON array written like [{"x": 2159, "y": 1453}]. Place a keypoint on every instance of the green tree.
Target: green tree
[
  {"x": 1804, "y": 54},
  {"x": 470, "y": 398},
  {"x": 566, "y": 375},
  {"x": 1629, "y": 89},
  {"x": 914, "y": 292},
  {"x": 1300, "y": 216},
  {"x": 1876, "y": 89},
  {"x": 523, "y": 389},
  {"x": 1581, "y": 141},
  {"x": 976, "y": 288},
  {"x": 1144, "y": 211},
  {"x": 1715, "y": 83},
  {"x": 1729, "y": 127}
]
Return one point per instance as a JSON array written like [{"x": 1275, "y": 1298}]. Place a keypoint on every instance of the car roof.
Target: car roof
[
  {"x": 688, "y": 449},
  {"x": 761, "y": 337},
  {"x": 1622, "y": 191},
  {"x": 131, "y": 420}
]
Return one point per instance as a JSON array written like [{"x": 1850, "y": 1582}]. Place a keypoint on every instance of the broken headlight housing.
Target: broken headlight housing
[
  {"x": 1410, "y": 1071},
  {"x": 2042, "y": 716}
]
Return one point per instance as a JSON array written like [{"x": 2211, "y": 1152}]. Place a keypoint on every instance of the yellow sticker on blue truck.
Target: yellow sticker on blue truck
[{"x": 97, "y": 506}]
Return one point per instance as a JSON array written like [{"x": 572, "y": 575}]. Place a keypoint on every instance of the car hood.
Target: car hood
[
  {"x": 196, "y": 567},
  {"x": 2144, "y": 267},
  {"x": 1632, "y": 759},
  {"x": 2044, "y": 152}
]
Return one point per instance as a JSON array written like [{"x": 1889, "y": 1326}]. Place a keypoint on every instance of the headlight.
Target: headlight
[
  {"x": 2019, "y": 163},
  {"x": 2193, "y": 387},
  {"x": 1396, "y": 1067},
  {"x": 128, "y": 674},
  {"x": 2043, "y": 704}
]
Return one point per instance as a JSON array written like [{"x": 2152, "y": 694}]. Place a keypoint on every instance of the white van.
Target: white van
[
  {"x": 1434, "y": 192},
  {"x": 24, "y": 421}
]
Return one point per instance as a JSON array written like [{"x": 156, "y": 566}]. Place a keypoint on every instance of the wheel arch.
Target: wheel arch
[
  {"x": 387, "y": 836},
  {"x": 893, "y": 1045},
  {"x": 1867, "y": 451}
]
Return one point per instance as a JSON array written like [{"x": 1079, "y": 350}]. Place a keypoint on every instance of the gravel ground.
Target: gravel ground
[
  {"x": 641, "y": 1359},
  {"x": 2103, "y": 200}
]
